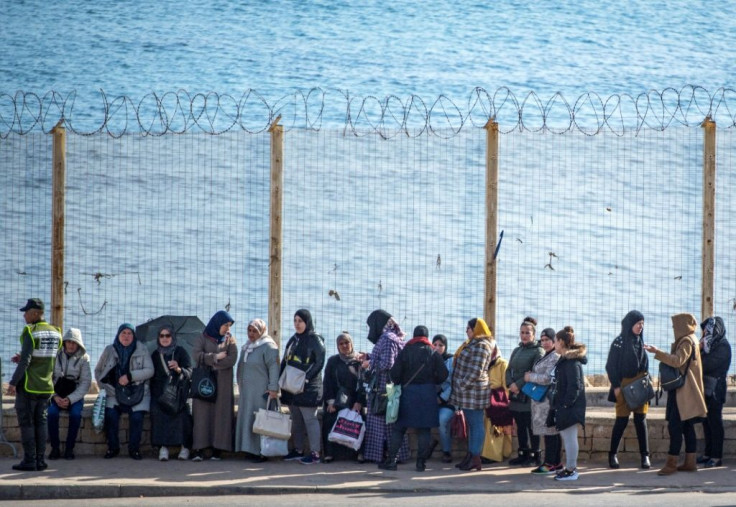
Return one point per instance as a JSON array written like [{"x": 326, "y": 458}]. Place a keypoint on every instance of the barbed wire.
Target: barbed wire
[{"x": 214, "y": 113}]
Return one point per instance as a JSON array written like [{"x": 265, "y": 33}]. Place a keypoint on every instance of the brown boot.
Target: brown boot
[
  {"x": 689, "y": 464},
  {"x": 464, "y": 461},
  {"x": 473, "y": 464},
  {"x": 670, "y": 467}
]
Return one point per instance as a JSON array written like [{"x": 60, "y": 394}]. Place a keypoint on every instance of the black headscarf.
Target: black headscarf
[
  {"x": 307, "y": 318},
  {"x": 124, "y": 353},
  {"x": 376, "y": 321},
  {"x": 442, "y": 338}
]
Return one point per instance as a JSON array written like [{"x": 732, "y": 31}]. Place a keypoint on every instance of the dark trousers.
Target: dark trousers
[
  {"x": 31, "y": 411},
  {"x": 552, "y": 449},
  {"x": 112, "y": 427},
  {"x": 75, "y": 420},
  {"x": 713, "y": 429},
  {"x": 679, "y": 429},
  {"x": 642, "y": 433},
  {"x": 397, "y": 437},
  {"x": 527, "y": 439}
]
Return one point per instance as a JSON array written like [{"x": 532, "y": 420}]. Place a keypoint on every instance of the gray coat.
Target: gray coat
[
  {"x": 258, "y": 374},
  {"x": 141, "y": 369},
  {"x": 76, "y": 368},
  {"x": 542, "y": 374}
]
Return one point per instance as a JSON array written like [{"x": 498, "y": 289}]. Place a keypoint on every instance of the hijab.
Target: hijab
[
  {"x": 352, "y": 355},
  {"x": 307, "y": 318},
  {"x": 124, "y": 353},
  {"x": 260, "y": 326},
  {"x": 376, "y": 321},
  {"x": 442, "y": 338},
  {"x": 213, "y": 326},
  {"x": 480, "y": 332},
  {"x": 164, "y": 351},
  {"x": 714, "y": 330}
]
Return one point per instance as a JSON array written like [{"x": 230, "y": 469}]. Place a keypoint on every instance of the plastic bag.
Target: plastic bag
[
  {"x": 98, "y": 412},
  {"x": 348, "y": 430},
  {"x": 271, "y": 446}
]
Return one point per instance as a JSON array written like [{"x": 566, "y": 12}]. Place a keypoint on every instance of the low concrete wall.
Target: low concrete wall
[{"x": 594, "y": 441}]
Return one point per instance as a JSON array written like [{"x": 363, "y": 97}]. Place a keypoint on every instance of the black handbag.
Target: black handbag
[
  {"x": 709, "y": 385},
  {"x": 670, "y": 378},
  {"x": 173, "y": 398},
  {"x": 378, "y": 401},
  {"x": 130, "y": 394},
  {"x": 638, "y": 392},
  {"x": 204, "y": 383},
  {"x": 65, "y": 386}
]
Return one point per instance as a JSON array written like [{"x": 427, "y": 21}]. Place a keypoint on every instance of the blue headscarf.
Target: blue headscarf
[
  {"x": 124, "y": 353},
  {"x": 213, "y": 326}
]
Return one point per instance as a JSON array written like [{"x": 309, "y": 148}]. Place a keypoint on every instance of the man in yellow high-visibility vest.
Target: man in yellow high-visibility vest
[{"x": 32, "y": 383}]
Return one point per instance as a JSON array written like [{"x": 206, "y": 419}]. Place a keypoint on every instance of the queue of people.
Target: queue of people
[{"x": 540, "y": 390}]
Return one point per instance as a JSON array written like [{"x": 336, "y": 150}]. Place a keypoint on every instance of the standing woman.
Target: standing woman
[
  {"x": 716, "y": 353},
  {"x": 305, "y": 350},
  {"x": 627, "y": 362},
  {"x": 258, "y": 383},
  {"x": 386, "y": 334},
  {"x": 170, "y": 360},
  {"x": 569, "y": 397},
  {"x": 521, "y": 361},
  {"x": 471, "y": 387},
  {"x": 419, "y": 370},
  {"x": 439, "y": 342},
  {"x": 125, "y": 362},
  {"x": 213, "y": 421},
  {"x": 342, "y": 389},
  {"x": 686, "y": 404},
  {"x": 542, "y": 374}
]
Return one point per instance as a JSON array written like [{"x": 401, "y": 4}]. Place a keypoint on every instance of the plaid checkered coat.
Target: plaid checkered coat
[{"x": 471, "y": 387}]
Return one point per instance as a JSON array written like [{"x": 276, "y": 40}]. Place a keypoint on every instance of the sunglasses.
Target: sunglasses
[{"x": 164, "y": 335}]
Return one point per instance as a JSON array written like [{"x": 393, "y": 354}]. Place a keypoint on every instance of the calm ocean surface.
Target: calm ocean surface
[{"x": 360, "y": 49}]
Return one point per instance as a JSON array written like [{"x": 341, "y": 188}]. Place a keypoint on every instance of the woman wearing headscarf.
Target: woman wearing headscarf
[
  {"x": 258, "y": 383},
  {"x": 171, "y": 362},
  {"x": 305, "y": 350},
  {"x": 213, "y": 421},
  {"x": 72, "y": 379},
  {"x": 521, "y": 361},
  {"x": 686, "y": 404},
  {"x": 439, "y": 342},
  {"x": 125, "y": 362},
  {"x": 388, "y": 339},
  {"x": 542, "y": 374},
  {"x": 628, "y": 362},
  {"x": 471, "y": 388},
  {"x": 342, "y": 389},
  {"x": 716, "y": 354},
  {"x": 418, "y": 369}
]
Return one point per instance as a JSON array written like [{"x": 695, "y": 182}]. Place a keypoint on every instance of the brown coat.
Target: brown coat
[
  {"x": 690, "y": 398},
  {"x": 213, "y": 422}
]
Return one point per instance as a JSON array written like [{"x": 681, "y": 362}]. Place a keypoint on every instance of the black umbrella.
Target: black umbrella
[{"x": 186, "y": 328}]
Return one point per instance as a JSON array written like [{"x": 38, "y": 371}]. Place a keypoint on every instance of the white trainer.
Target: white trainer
[
  {"x": 184, "y": 454},
  {"x": 163, "y": 454}
]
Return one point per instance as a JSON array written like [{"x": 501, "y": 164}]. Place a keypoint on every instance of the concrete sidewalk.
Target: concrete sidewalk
[{"x": 94, "y": 477}]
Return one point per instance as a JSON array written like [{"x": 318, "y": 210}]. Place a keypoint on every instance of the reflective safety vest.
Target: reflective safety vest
[{"x": 46, "y": 343}]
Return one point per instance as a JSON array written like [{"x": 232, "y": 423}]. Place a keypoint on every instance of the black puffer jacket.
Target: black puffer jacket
[
  {"x": 569, "y": 394},
  {"x": 306, "y": 352},
  {"x": 627, "y": 356},
  {"x": 717, "y": 360}
]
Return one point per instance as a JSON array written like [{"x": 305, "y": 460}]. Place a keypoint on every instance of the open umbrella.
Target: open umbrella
[{"x": 186, "y": 328}]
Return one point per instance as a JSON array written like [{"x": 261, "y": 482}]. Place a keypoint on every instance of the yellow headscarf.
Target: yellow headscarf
[{"x": 480, "y": 331}]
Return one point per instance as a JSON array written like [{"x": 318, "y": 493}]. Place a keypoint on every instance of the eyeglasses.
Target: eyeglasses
[{"x": 164, "y": 335}]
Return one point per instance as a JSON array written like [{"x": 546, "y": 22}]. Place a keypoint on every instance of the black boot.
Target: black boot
[
  {"x": 40, "y": 463},
  {"x": 389, "y": 464},
  {"x": 613, "y": 460},
  {"x": 536, "y": 457},
  {"x": 25, "y": 466},
  {"x": 642, "y": 435},
  {"x": 645, "y": 463},
  {"x": 464, "y": 461},
  {"x": 55, "y": 453},
  {"x": 421, "y": 465},
  {"x": 521, "y": 460}
]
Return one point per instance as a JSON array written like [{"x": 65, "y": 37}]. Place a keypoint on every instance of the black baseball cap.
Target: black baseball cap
[{"x": 33, "y": 303}]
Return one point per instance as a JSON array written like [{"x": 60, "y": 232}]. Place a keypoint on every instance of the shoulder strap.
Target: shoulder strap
[{"x": 420, "y": 369}]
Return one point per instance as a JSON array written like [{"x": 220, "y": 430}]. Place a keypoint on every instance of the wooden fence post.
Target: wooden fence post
[
  {"x": 276, "y": 219},
  {"x": 489, "y": 303},
  {"x": 709, "y": 218},
  {"x": 58, "y": 192}
]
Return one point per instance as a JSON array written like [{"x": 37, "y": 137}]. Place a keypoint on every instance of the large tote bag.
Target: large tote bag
[
  {"x": 272, "y": 423},
  {"x": 348, "y": 430},
  {"x": 204, "y": 383}
]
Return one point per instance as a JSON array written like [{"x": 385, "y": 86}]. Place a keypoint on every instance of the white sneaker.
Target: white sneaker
[
  {"x": 184, "y": 454},
  {"x": 163, "y": 454}
]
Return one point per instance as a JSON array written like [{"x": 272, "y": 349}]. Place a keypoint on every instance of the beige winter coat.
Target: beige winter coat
[{"x": 690, "y": 398}]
